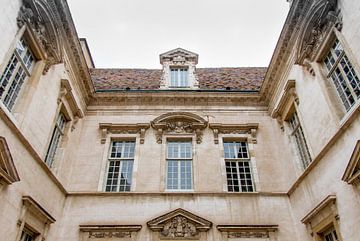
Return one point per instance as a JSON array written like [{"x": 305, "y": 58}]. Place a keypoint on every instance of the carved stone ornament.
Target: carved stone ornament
[
  {"x": 179, "y": 123},
  {"x": 139, "y": 128},
  {"x": 319, "y": 21},
  {"x": 41, "y": 19},
  {"x": 179, "y": 56},
  {"x": 249, "y": 129},
  {"x": 179, "y": 224},
  {"x": 248, "y": 231},
  {"x": 109, "y": 231}
]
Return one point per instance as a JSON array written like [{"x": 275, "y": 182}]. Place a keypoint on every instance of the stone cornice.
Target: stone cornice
[
  {"x": 176, "y": 98},
  {"x": 123, "y": 129},
  {"x": 284, "y": 47},
  {"x": 329, "y": 200},
  {"x": 38, "y": 209},
  {"x": 109, "y": 230},
  {"x": 249, "y": 128},
  {"x": 247, "y": 231},
  {"x": 288, "y": 95},
  {"x": 67, "y": 92},
  {"x": 8, "y": 172},
  {"x": 352, "y": 171}
]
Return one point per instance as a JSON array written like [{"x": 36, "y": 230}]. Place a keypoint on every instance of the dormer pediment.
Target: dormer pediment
[
  {"x": 179, "y": 224},
  {"x": 8, "y": 173},
  {"x": 352, "y": 171},
  {"x": 179, "y": 56}
]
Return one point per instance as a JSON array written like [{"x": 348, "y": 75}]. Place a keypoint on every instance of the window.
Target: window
[
  {"x": 298, "y": 134},
  {"x": 16, "y": 71},
  {"x": 330, "y": 235},
  {"x": 27, "y": 236},
  {"x": 120, "y": 166},
  {"x": 343, "y": 75},
  {"x": 179, "y": 165},
  {"x": 58, "y": 133},
  {"x": 238, "y": 167},
  {"x": 179, "y": 77}
]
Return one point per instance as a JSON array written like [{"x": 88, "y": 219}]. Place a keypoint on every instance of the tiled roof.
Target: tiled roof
[{"x": 245, "y": 78}]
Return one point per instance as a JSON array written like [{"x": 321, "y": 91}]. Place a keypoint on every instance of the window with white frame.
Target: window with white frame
[
  {"x": 16, "y": 71},
  {"x": 298, "y": 134},
  {"x": 330, "y": 235},
  {"x": 26, "y": 235},
  {"x": 238, "y": 167},
  {"x": 343, "y": 75},
  {"x": 58, "y": 133},
  {"x": 179, "y": 77},
  {"x": 179, "y": 165},
  {"x": 120, "y": 166}
]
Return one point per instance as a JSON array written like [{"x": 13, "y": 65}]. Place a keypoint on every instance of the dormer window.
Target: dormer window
[
  {"x": 179, "y": 77},
  {"x": 179, "y": 69}
]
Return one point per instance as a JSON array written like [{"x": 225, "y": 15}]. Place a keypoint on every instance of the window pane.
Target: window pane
[
  {"x": 122, "y": 149},
  {"x": 235, "y": 150},
  {"x": 179, "y": 149},
  {"x": 179, "y": 77}
]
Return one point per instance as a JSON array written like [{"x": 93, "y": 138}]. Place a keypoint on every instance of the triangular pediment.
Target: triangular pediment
[
  {"x": 8, "y": 173},
  {"x": 352, "y": 171},
  {"x": 179, "y": 224},
  {"x": 179, "y": 55}
]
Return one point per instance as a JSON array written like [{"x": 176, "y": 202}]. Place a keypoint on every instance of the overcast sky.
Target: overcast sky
[{"x": 225, "y": 33}]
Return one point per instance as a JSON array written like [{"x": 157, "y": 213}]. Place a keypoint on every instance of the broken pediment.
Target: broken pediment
[
  {"x": 179, "y": 123},
  {"x": 352, "y": 171},
  {"x": 179, "y": 224},
  {"x": 179, "y": 56},
  {"x": 8, "y": 173}
]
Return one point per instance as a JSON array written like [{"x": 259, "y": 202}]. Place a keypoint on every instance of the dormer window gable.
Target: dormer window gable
[{"x": 179, "y": 69}]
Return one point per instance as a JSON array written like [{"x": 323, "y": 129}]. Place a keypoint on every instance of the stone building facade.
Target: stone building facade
[{"x": 180, "y": 153}]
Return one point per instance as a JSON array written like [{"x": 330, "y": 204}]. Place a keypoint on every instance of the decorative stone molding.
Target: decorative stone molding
[
  {"x": 139, "y": 128},
  {"x": 179, "y": 58},
  {"x": 320, "y": 19},
  {"x": 352, "y": 171},
  {"x": 249, "y": 231},
  {"x": 37, "y": 209},
  {"x": 179, "y": 123},
  {"x": 66, "y": 93},
  {"x": 249, "y": 128},
  {"x": 179, "y": 224},
  {"x": 284, "y": 104},
  {"x": 39, "y": 17},
  {"x": 8, "y": 172},
  {"x": 321, "y": 217},
  {"x": 109, "y": 231}
]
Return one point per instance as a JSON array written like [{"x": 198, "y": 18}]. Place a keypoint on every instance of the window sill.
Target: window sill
[{"x": 350, "y": 115}]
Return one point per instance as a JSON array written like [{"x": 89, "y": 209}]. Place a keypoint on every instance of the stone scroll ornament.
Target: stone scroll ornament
[{"x": 40, "y": 19}]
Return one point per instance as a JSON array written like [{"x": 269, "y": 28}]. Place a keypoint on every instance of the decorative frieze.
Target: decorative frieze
[
  {"x": 38, "y": 16},
  {"x": 109, "y": 231},
  {"x": 139, "y": 128},
  {"x": 249, "y": 129},
  {"x": 319, "y": 22},
  {"x": 179, "y": 224},
  {"x": 179, "y": 123},
  {"x": 248, "y": 231}
]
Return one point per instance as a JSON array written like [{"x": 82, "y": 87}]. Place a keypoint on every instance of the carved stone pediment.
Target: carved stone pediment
[
  {"x": 179, "y": 56},
  {"x": 8, "y": 173},
  {"x": 352, "y": 171},
  {"x": 179, "y": 123},
  {"x": 319, "y": 21},
  {"x": 179, "y": 224},
  {"x": 249, "y": 128},
  {"x": 39, "y": 16},
  {"x": 139, "y": 128}
]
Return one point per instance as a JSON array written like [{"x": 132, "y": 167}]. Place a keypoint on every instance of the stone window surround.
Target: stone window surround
[
  {"x": 252, "y": 160},
  {"x": 332, "y": 97},
  {"x": 106, "y": 150},
  {"x": 25, "y": 32},
  {"x": 32, "y": 210},
  {"x": 163, "y": 162},
  {"x": 283, "y": 111},
  {"x": 322, "y": 217},
  {"x": 9, "y": 174},
  {"x": 351, "y": 174}
]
